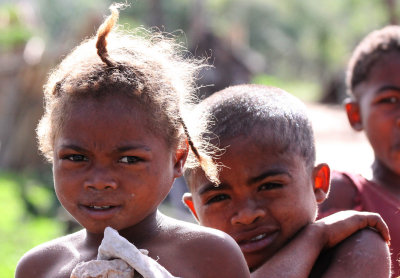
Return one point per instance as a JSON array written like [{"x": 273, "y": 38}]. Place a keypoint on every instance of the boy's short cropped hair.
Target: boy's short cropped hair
[
  {"x": 239, "y": 109},
  {"x": 368, "y": 51}
]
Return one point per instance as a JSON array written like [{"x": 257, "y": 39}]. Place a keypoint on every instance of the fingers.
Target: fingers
[{"x": 345, "y": 223}]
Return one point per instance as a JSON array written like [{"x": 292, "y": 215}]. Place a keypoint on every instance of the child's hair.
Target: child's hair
[
  {"x": 368, "y": 52},
  {"x": 238, "y": 110},
  {"x": 150, "y": 68}
]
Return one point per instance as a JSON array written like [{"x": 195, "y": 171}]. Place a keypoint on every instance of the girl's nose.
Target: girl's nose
[
  {"x": 247, "y": 215},
  {"x": 100, "y": 180}
]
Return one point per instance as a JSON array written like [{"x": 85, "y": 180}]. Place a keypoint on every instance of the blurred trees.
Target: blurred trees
[{"x": 246, "y": 41}]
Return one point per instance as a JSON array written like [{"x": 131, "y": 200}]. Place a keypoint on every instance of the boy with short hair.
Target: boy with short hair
[
  {"x": 269, "y": 190},
  {"x": 373, "y": 106}
]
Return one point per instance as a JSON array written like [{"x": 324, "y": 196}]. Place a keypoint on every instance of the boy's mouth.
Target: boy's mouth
[
  {"x": 258, "y": 237},
  {"x": 258, "y": 242}
]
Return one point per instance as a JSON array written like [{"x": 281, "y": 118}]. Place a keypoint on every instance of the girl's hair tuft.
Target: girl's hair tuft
[{"x": 103, "y": 32}]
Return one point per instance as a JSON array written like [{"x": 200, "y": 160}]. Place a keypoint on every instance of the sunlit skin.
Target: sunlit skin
[
  {"x": 264, "y": 199},
  {"x": 376, "y": 110},
  {"x": 107, "y": 173}
]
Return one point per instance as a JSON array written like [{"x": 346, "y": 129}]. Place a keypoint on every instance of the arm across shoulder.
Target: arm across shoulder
[{"x": 363, "y": 254}]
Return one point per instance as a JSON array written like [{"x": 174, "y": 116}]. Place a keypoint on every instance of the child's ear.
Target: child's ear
[
  {"x": 322, "y": 178},
  {"x": 180, "y": 158},
  {"x": 188, "y": 201},
  {"x": 353, "y": 114}
]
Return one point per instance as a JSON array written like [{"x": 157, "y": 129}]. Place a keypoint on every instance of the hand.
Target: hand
[{"x": 338, "y": 226}]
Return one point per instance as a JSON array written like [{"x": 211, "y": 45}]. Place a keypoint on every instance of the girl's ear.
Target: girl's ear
[
  {"x": 322, "y": 178},
  {"x": 353, "y": 114},
  {"x": 188, "y": 201},
  {"x": 180, "y": 158}
]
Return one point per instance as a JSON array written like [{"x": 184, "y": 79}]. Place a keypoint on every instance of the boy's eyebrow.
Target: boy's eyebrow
[
  {"x": 212, "y": 187},
  {"x": 268, "y": 173},
  {"x": 387, "y": 88}
]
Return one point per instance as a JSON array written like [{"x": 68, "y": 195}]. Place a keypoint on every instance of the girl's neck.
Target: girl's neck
[
  {"x": 139, "y": 234},
  {"x": 385, "y": 177}
]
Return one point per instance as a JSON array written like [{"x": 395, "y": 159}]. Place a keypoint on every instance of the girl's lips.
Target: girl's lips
[
  {"x": 258, "y": 242},
  {"x": 100, "y": 212}
]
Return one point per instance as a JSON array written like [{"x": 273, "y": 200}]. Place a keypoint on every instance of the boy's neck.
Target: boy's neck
[
  {"x": 386, "y": 178},
  {"x": 138, "y": 234}
]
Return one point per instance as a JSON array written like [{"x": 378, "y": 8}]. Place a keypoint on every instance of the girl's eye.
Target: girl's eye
[
  {"x": 269, "y": 186},
  {"x": 129, "y": 159},
  {"x": 218, "y": 198},
  {"x": 76, "y": 157}
]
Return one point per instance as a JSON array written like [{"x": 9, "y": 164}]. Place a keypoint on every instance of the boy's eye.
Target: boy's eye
[
  {"x": 218, "y": 198},
  {"x": 76, "y": 157},
  {"x": 269, "y": 186},
  {"x": 129, "y": 159},
  {"x": 389, "y": 100}
]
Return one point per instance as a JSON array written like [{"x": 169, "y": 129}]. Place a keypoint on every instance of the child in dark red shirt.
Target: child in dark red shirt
[{"x": 373, "y": 83}]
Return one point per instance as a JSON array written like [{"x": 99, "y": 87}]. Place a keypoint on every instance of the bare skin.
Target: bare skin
[
  {"x": 111, "y": 170},
  {"x": 332, "y": 247},
  {"x": 267, "y": 201}
]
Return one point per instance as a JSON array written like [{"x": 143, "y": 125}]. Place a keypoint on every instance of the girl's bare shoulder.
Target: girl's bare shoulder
[
  {"x": 205, "y": 252},
  {"x": 49, "y": 259}
]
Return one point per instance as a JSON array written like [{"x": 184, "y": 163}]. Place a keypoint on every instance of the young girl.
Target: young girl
[
  {"x": 115, "y": 132},
  {"x": 373, "y": 82}
]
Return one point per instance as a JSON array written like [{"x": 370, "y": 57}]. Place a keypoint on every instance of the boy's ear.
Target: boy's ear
[
  {"x": 188, "y": 201},
  {"x": 353, "y": 114},
  {"x": 180, "y": 158},
  {"x": 322, "y": 178}
]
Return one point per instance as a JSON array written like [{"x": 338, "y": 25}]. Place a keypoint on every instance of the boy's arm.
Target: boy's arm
[
  {"x": 297, "y": 258},
  {"x": 363, "y": 254}
]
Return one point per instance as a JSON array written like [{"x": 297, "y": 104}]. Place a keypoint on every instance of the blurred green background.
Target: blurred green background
[{"x": 301, "y": 46}]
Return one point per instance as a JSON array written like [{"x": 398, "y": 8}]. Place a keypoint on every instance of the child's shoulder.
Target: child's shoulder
[
  {"x": 49, "y": 259},
  {"x": 206, "y": 250},
  {"x": 363, "y": 254}
]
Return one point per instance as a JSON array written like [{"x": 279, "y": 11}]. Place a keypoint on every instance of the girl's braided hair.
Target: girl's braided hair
[{"x": 152, "y": 68}]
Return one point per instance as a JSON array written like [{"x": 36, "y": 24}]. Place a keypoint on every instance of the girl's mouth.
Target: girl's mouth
[
  {"x": 100, "y": 207},
  {"x": 100, "y": 212}
]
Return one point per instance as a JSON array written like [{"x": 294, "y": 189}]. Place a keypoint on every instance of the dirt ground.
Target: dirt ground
[{"x": 336, "y": 142}]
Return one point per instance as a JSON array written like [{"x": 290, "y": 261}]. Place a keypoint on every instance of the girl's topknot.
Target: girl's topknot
[
  {"x": 102, "y": 33},
  {"x": 146, "y": 65},
  {"x": 368, "y": 52}
]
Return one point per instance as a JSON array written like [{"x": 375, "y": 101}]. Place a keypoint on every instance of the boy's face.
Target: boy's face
[
  {"x": 264, "y": 199},
  {"x": 109, "y": 169},
  {"x": 378, "y": 110}
]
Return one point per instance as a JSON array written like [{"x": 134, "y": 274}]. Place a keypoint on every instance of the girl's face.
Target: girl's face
[
  {"x": 264, "y": 199},
  {"x": 109, "y": 169},
  {"x": 379, "y": 105}
]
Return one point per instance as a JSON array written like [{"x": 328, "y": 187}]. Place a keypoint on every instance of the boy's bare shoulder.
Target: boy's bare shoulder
[
  {"x": 363, "y": 254},
  {"x": 50, "y": 259},
  {"x": 206, "y": 251}
]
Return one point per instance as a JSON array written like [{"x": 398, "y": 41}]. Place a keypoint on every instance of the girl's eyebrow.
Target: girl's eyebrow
[
  {"x": 269, "y": 173},
  {"x": 388, "y": 88},
  {"x": 73, "y": 147},
  {"x": 133, "y": 147}
]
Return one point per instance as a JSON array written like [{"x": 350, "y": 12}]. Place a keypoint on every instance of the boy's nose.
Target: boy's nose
[{"x": 247, "y": 216}]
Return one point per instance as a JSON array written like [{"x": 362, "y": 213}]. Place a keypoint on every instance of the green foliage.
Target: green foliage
[
  {"x": 20, "y": 231},
  {"x": 306, "y": 91},
  {"x": 13, "y": 31}
]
